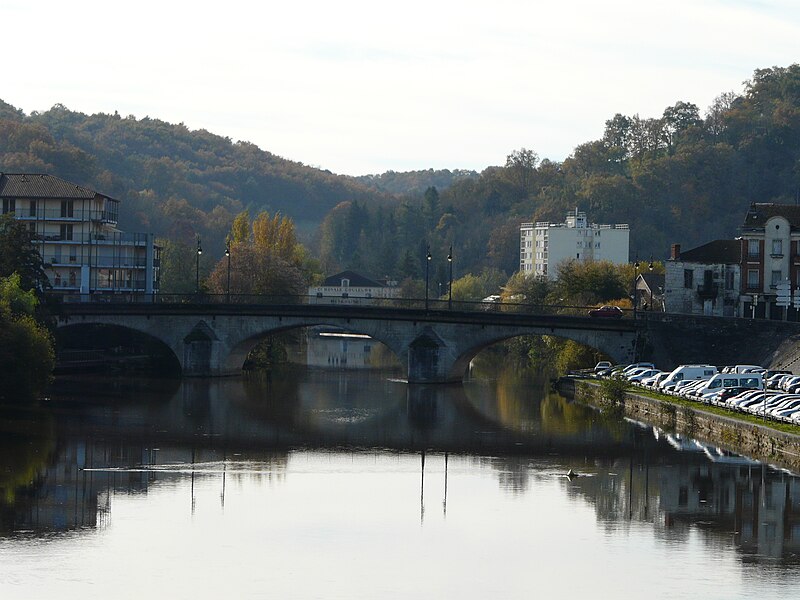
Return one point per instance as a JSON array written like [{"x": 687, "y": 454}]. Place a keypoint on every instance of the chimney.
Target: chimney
[{"x": 675, "y": 252}]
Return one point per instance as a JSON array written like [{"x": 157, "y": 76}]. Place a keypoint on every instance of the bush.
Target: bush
[{"x": 613, "y": 388}]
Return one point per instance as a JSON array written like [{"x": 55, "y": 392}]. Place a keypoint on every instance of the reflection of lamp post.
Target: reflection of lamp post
[
  {"x": 228, "y": 254},
  {"x": 450, "y": 285},
  {"x": 635, "y": 277},
  {"x": 197, "y": 267},
  {"x": 427, "y": 269}
]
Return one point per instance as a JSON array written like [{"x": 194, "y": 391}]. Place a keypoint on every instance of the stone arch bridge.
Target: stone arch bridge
[{"x": 436, "y": 345}]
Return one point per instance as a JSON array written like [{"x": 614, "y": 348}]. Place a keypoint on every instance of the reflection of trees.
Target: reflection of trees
[{"x": 26, "y": 442}]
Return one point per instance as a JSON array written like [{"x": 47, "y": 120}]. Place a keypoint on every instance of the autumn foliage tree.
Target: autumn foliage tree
[{"x": 265, "y": 259}]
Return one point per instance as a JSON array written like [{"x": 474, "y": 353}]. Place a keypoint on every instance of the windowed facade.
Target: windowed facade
[
  {"x": 752, "y": 279},
  {"x": 777, "y": 247},
  {"x": 74, "y": 230},
  {"x": 753, "y": 249}
]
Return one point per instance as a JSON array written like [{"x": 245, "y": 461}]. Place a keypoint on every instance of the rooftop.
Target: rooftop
[
  {"x": 356, "y": 280},
  {"x": 759, "y": 213},
  {"x": 40, "y": 185},
  {"x": 718, "y": 252}
]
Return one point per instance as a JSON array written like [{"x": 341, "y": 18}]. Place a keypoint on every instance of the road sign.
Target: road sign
[
  {"x": 784, "y": 294},
  {"x": 797, "y": 297}
]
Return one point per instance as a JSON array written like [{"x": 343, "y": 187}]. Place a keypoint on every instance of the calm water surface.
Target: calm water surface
[{"x": 317, "y": 484}]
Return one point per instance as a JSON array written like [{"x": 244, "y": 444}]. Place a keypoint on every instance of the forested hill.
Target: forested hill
[
  {"x": 415, "y": 182},
  {"x": 172, "y": 181},
  {"x": 684, "y": 176}
]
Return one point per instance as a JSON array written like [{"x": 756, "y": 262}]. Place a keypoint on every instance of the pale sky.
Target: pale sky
[{"x": 363, "y": 87}]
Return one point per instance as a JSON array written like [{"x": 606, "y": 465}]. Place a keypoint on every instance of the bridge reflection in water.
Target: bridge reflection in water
[{"x": 97, "y": 445}]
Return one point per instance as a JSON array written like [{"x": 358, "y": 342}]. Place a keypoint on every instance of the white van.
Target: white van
[
  {"x": 731, "y": 380},
  {"x": 743, "y": 369},
  {"x": 686, "y": 372}
]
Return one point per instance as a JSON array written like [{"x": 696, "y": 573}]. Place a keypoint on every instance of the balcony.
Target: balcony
[{"x": 708, "y": 291}]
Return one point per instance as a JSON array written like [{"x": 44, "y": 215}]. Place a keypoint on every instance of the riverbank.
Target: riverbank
[{"x": 780, "y": 447}]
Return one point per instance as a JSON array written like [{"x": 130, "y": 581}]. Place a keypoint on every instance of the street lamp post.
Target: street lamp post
[
  {"x": 427, "y": 270},
  {"x": 650, "y": 268},
  {"x": 197, "y": 267},
  {"x": 635, "y": 277},
  {"x": 450, "y": 285},
  {"x": 228, "y": 254}
]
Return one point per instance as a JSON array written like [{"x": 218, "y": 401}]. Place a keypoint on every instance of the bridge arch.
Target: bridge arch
[
  {"x": 90, "y": 335},
  {"x": 436, "y": 347}
]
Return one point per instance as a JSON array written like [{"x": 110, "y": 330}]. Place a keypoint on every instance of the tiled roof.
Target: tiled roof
[
  {"x": 758, "y": 215},
  {"x": 718, "y": 252},
  {"x": 29, "y": 185},
  {"x": 356, "y": 280}
]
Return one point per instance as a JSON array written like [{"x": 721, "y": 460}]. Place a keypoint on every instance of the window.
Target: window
[
  {"x": 66, "y": 208},
  {"x": 32, "y": 229},
  {"x": 9, "y": 205},
  {"x": 66, "y": 232},
  {"x": 688, "y": 278},
  {"x": 729, "y": 280},
  {"x": 753, "y": 250},
  {"x": 777, "y": 247},
  {"x": 345, "y": 283},
  {"x": 32, "y": 209},
  {"x": 776, "y": 278},
  {"x": 752, "y": 279}
]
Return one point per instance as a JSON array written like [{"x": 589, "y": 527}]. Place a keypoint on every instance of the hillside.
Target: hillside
[
  {"x": 172, "y": 180},
  {"x": 683, "y": 177}
]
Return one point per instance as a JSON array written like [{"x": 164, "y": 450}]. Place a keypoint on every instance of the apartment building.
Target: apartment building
[
  {"x": 75, "y": 230},
  {"x": 741, "y": 277},
  {"x": 544, "y": 245}
]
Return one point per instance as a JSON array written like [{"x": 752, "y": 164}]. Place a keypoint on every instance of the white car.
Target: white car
[{"x": 646, "y": 374}]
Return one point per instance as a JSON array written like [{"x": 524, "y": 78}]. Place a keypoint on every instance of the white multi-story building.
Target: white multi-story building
[
  {"x": 74, "y": 229},
  {"x": 544, "y": 245}
]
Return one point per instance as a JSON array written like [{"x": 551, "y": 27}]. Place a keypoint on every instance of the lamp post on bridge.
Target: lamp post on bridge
[
  {"x": 635, "y": 277},
  {"x": 427, "y": 270},
  {"x": 197, "y": 267},
  {"x": 450, "y": 285},
  {"x": 228, "y": 254}
]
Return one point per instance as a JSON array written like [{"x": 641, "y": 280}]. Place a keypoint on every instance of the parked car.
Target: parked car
[
  {"x": 606, "y": 312},
  {"x": 602, "y": 366}
]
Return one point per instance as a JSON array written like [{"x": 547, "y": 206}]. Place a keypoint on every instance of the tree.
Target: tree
[
  {"x": 272, "y": 262},
  {"x": 586, "y": 283},
  {"x": 26, "y": 347},
  {"x": 521, "y": 167},
  {"x": 240, "y": 230},
  {"x": 177, "y": 272},
  {"x": 19, "y": 255}
]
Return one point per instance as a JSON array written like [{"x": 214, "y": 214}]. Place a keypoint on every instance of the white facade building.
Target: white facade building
[
  {"x": 544, "y": 245},
  {"x": 349, "y": 287},
  {"x": 74, "y": 229}
]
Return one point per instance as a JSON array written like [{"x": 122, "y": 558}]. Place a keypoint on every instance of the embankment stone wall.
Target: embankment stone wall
[{"x": 756, "y": 441}]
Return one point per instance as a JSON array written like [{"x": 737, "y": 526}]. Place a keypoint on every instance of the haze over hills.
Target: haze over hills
[{"x": 686, "y": 177}]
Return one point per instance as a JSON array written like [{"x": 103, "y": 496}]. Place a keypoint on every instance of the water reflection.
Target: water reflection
[{"x": 61, "y": 470}]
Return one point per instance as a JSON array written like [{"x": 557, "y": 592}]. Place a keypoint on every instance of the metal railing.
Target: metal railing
[{"x": 257, "y": 300}]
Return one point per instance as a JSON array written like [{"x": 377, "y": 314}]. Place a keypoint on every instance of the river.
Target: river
[{"x": 326, "y": 484}]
